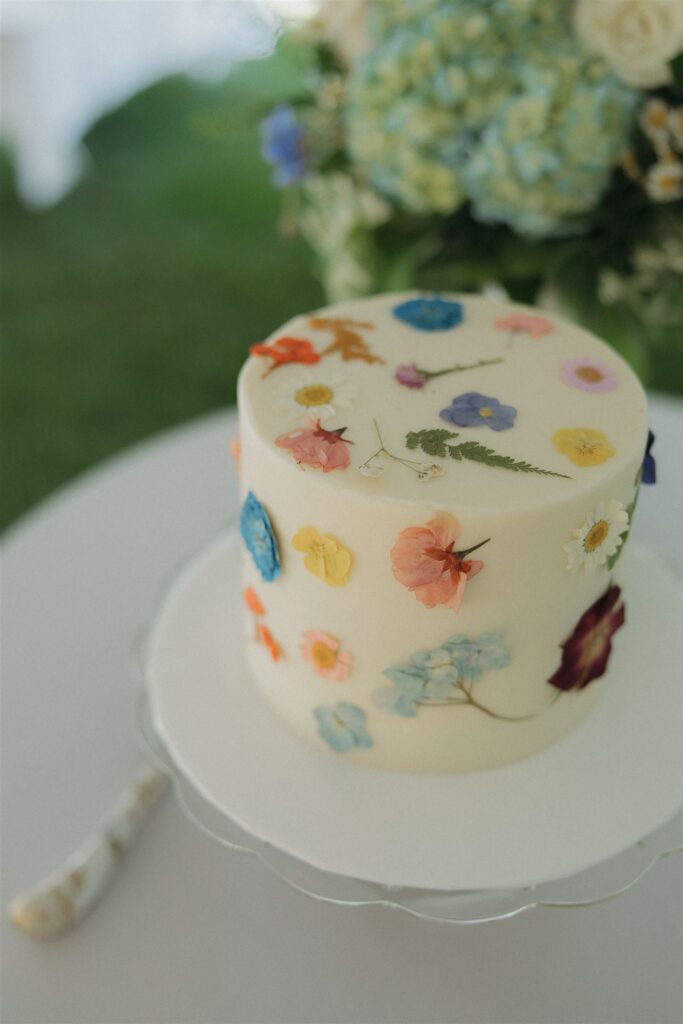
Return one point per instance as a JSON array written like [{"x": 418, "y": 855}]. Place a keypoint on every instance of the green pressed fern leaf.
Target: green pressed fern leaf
[{"x": 433, "y": 442}]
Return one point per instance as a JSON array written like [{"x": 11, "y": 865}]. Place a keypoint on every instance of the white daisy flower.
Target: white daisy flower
[
  {"x": 664, "y": 181},
  {"x": 654, "y": 120},
  {"x": 598, "y": 537},
  {"x": 314, "y": 397}
]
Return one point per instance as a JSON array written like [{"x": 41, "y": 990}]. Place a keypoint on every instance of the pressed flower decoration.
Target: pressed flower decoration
[
  {"x": 326, "y": 557},
  {"x": 316, "y": 447},
  {"x": 262, "y": 633},
  {"x": 319, "y": 398},
  {"x": 425, "y": 561},
  {"x": 524, "y": 323},
  {"x": 474, "y": 410},
  {"x": 343, "y": 726},
  {"x": 371, "y": 467},
  {"x": 587, "y": 375},
  {"x": 252, "y": 601},
  {"x": 347, "y": 341},
  {"x": 322, "y": 651},
  {"x": 410, "y": 375},
  {"x": 583, "y": 446},
  {"x": 435, "y": 442},
  {"x": 430, "y": 314},
  {"x": 269, "y": 642},
  {"x": 236, "y": 453},
  {"x": 445, "y": 676},
  {"x": 286, "y": 350},
  {"x": 598, "y": 538},
  {"x": 259, "y": 537},
  {"x": 586, "y": 652},
  {"x": 649, "y": 469}
]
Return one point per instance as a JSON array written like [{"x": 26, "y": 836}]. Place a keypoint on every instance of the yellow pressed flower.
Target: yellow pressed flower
[
  {"x": 326, "y": 557},
  {"x": 583, "y": 446}
]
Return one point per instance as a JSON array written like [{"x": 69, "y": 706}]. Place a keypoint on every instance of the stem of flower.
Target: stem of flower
[
  {"x": 429, "y": 374},
  {"x": 468, "y": 551}
]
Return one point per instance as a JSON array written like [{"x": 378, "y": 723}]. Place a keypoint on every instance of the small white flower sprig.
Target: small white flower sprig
[{"x": 423, "y": 470}]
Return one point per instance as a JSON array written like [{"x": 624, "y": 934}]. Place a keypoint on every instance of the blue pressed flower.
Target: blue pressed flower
[
  {"x": 649, "y": 471},
  {"x": 342, "y": 726},
  {"x": 475, "y": 410},
  {"x": 475, "y": 656},
  {"x": 283, "y": 146},
  {"x": 440, "y": 676},
  {"x": 430, "y": 314},
  {"x": 257, "y": 534}
]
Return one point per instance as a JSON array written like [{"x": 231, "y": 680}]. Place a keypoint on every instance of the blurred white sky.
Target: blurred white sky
[{"x": 64, "y": 63}]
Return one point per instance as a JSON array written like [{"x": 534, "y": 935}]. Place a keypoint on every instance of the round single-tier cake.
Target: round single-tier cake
[{"x": 437, "y": 493}]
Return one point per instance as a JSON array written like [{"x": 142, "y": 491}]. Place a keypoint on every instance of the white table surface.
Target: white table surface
[{"x": 190, "y": 933}]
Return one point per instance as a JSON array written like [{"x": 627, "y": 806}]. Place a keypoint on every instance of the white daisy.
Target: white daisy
[
  {"x": 664, "y": 181},
  {"x": 315, "y": 397},
  {"x": 598, "y": 537}
]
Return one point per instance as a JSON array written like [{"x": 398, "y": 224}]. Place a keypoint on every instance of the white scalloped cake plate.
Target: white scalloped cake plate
[{"x": 592, "y": 795}]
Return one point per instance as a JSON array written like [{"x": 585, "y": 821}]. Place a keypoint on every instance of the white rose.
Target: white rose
[
  {"x": 637, "y": 38},
  {"x": 342, "y": 23}
]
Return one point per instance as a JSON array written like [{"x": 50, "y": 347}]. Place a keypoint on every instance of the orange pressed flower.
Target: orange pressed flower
[
  {"x": 252, "y": 602},
  {"x": 267, "y": 639},
  {"x": 236, "y": 453},
  {"x": 286, "y": 350}
]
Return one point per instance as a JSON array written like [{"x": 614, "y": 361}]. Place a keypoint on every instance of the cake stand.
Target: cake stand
[{"x": 574, "y": 825}]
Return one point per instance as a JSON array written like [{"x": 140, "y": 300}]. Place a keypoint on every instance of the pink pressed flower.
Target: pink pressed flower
[
  {"x": 410, "y": 375},
  {"x": 322, "y": 651},
  {"x": 425, "y": 561},
  {"x": 316, "y": 447},
  {"x": 588, "y": 375},
  {"x": 525, "y": 323}
]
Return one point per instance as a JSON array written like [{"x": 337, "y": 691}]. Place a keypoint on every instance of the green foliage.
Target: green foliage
[
  {"x": 433, "y": 442},
  {"x": 129, "y": 307}
]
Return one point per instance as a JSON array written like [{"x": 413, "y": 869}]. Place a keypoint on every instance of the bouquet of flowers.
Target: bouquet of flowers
[{"x": 531, "y": 145}]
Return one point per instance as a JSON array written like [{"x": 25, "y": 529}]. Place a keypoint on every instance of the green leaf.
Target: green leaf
[
  {"x": 676, "y": 66},
  {"x": 630, "y": 509},
  {"x": 433, "y": 442}
]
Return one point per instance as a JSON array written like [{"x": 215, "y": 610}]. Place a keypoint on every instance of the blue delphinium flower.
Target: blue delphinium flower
[
  {"x": 649, "y": 471},
  {"x": 430, "y": 314},
  {"x": 437, "y": 676},
  {"x": 283, "y": 146},
  {"x": 342, "y": 726},
  {"x": 257, "y": 534},
  {"x": 475, "y": 410}
]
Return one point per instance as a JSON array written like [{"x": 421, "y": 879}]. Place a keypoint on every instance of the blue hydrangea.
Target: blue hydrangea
[
  {"x": 283, "y": 146},
  {"x": 430, "y": 314},
  {"x": 259, "y": 537},
  {"x": 474, "y": 410},
  {"x": 342, "y": 726},
  {"x": 436, "y": 677},
  {"x": 494, "y": 102}
]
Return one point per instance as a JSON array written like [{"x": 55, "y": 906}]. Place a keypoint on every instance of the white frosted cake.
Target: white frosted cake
[{"x": 437, "y": 493}]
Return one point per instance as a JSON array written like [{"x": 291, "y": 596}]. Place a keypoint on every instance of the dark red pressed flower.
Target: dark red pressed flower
[{"x": 586, "y": 652}]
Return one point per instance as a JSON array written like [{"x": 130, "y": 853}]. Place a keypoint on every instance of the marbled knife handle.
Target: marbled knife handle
[{"x": 62, "y": 899}]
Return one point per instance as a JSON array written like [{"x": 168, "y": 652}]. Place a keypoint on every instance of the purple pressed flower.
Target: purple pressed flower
[
  {"x": 586, "y": 652},
  {"x": 649, "y": 471},
  {"x": 283, "y": 146},
  {"x": 475, "y": 410},
  {"x": 410, "y": 375}
]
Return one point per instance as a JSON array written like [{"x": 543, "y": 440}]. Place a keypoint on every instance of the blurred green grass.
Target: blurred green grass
[{"x": 130, "y": 306}]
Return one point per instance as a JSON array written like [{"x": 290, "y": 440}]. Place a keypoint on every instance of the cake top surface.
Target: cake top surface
[{"x": 450, "y": 400}]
